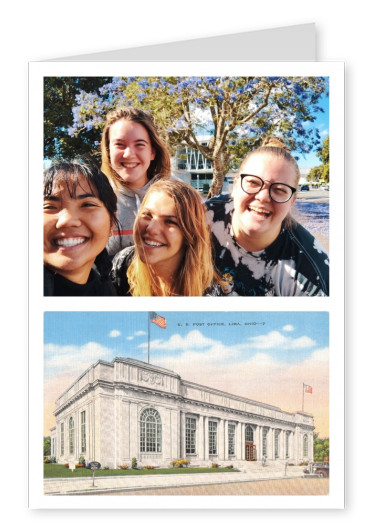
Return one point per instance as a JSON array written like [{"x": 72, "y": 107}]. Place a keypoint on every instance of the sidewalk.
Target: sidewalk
[{"x": 67, "y": 486}]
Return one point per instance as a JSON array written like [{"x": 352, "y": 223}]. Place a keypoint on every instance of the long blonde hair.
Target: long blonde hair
[
  {"x": 159, "y": 168},
  {"x": 196, "y": 272}
]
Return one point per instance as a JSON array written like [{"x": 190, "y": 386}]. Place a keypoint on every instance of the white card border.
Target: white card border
[{"x": 334, "y": 304}]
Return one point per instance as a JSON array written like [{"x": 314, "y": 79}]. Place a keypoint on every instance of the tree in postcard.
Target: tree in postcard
[{"x": 235, "y": 113}]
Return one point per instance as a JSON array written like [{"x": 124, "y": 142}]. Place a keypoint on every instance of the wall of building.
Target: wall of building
[{"x": 114, "y": 396}]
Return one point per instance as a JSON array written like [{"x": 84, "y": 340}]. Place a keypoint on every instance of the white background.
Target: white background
[{"x": 44, "y": 29}]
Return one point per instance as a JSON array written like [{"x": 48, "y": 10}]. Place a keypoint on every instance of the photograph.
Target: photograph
[{"x": 186, "y": 186}]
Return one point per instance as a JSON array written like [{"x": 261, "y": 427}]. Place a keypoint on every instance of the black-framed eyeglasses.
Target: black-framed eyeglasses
[{"x": 278, "y": 192}]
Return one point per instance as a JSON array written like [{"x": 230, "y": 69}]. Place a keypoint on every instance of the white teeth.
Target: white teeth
[
  {"x": 260, "y": 211},
  {"x": 130, "y": 165},
  {"x": 70, "y": 242},
  {"x": 153, "y": 244}
]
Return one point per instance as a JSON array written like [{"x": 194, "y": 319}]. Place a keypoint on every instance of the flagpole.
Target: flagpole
[{"x": 149, "y": 337}]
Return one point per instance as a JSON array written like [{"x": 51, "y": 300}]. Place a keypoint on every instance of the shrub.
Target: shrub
[
  {"x": 82, "y": 460},
  {"x": 149, "y": 467},
  {"x": 79, "y": 465},
  {"x": 66, "y": 465},
  {"x": 214, "y": 465},
  {"x": 124, "y": 467},
  {"x": 53, "y": 459},
  {"x": 229, "y": 466},
  {"x": 179, "y": 463},
  {"x": 47, "y": 460},
  {"x": 134, "y": 462},
  {"x": 106, "y": 468}
]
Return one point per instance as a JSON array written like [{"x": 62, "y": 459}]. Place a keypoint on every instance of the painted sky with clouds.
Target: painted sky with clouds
[{"x": 265, "y": 356}]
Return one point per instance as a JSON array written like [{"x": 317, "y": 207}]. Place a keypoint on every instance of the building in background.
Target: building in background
[{"x": 189, "y": 165}]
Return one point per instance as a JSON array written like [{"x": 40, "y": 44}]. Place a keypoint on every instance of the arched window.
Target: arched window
[
  {"x": 305, "y": 445},
  {"x": 248, "y": 433},
  {"x": 71, "y": 435},
  {"x": 150, "y": 431}
]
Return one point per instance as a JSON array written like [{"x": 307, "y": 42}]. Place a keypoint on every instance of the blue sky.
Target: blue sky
[
  {"x": 309, "y": 160},
  {"x": 125, "y": 333},
  {"x": 265, "y": 356}
]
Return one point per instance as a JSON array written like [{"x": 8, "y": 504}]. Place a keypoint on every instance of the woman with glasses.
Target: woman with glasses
[{"x": 259, "y": 248}]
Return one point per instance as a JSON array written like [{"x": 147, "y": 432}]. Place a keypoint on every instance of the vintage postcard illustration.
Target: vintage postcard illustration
[{"x": 184, "y": 403}]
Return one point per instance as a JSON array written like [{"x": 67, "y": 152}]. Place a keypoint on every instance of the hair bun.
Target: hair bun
[{"x": 273, "y": 141}]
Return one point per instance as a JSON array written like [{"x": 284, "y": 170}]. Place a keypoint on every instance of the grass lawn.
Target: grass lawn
[{"x": 60, "y": 471}]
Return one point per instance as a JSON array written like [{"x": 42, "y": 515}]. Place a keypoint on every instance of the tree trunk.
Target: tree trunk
[{"x": 220, "y": 167}]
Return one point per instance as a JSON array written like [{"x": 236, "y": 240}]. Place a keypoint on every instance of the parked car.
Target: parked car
[
  {"x": 304, "y": 187},
  {"x": 321, "y": 469}
]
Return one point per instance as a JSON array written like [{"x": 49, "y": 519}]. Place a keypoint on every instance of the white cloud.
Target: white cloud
[
  {"x": 302, "y": 342},
  {"x": 129, "y": 338},
  {"x": 72, "y": 358},
  {"x": 288, "y": 328},
  {"x": 277, "y": 340},
  {"x": 114, "y": 333},
  {"x": 321, "y": 355},
  {"x": 271, "y": 340},
  {"x": 140, "y": 333},
  {"x": 193, "y": 340}
]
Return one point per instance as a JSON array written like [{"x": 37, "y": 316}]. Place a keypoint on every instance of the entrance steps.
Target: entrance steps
[{"x": 277, "y": 469}]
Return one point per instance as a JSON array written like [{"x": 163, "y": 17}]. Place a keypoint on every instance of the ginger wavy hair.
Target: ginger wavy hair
[
  {"x": 159, "y": 168},
  {"x": 196, "y": 272}
]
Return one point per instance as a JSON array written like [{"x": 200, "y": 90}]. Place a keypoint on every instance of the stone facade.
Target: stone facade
[{"x": 126, "y": 408}]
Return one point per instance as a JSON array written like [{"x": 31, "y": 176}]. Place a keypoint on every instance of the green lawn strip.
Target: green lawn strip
[{"x": 60, "y": 471}]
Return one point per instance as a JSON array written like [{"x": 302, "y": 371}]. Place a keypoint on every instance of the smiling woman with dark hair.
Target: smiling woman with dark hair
[
  {"x": 79, "y": 213},
  {"x": 259, "y": 248}
]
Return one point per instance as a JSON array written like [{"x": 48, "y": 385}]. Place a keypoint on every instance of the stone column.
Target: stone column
[
  {"x": 243, "y": 441},
  {"x": 134, "y": 432},
  {"x": 182, "y": 435},
  {"x": 221, "y": 439},
  {"x": 206, "y": 438},
  {"x": 226, "y": 456},
  {"x": 238, "y": 440},
  {"x": 201, "y": 438}
]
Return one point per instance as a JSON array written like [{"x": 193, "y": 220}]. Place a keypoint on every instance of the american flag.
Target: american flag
[
  {"x": 307, "y": 388},
  {"x": 158, "y": 319}
]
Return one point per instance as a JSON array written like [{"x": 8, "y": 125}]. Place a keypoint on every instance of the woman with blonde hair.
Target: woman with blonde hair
[
  {"x": 134, "y": 156},
  {"x": 172, "y": 253},
  {"x": 259, "y": 247}
]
